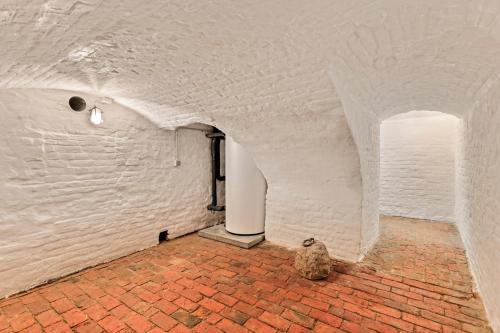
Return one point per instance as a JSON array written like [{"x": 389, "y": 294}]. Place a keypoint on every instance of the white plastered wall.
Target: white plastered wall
[
  {"x": 417, "y": 165},
  {"x": 75, "y": 195}
]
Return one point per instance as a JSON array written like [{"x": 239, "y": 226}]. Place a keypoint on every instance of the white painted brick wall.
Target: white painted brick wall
[
  {"x": 478, "y": 196},
  {"x": 417, "y": 165},
  {"x": 75, "y": 195},
  {"x": 365, "y": 129}
]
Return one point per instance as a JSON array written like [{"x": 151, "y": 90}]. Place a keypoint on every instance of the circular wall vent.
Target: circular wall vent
[{"x": 77, "y": 103}]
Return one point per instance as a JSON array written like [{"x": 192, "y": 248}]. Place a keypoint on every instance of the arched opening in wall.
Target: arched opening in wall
[
  {"x": 194, "y": 178},
  {"x": 418, "y": 153}
]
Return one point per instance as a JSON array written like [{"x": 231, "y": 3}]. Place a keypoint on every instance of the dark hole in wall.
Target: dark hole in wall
[
  {"x": 76, "y": 103},
  {"x": 163, "y": 236}
]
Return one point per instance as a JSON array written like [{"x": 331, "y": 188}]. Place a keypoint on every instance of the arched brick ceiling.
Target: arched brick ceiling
[
  {"x": 177, "y": 60},
  {"x": 396, "y": 56},
  {"x": 178, "y": 57}
]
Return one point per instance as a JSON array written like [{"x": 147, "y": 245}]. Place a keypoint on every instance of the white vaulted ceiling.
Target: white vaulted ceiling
[{"x": 172, "y": 60}]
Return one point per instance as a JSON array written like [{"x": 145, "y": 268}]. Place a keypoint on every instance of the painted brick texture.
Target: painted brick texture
[
  {"x": 77, "y": 195},
  {"x": 74, "y": 195},
  {"x": 478, "y": 186},
  {"x": 417, "y": 165}
]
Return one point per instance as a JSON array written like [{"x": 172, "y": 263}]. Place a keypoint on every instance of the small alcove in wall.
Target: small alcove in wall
[
  {"x": 418, "y": 153},
  {"x": 245, "y": 191},
  {"x": 197, "y": 151}
]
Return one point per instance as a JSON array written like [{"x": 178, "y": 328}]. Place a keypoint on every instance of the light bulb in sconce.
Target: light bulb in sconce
[{"x": 96, "y": 116}]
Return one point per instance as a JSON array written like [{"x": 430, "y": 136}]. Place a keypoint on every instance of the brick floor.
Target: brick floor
[{"x": 415, "y": 280}]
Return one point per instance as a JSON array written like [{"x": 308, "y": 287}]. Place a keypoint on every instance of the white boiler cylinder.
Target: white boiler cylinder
[{"x": 246, "y": 190}]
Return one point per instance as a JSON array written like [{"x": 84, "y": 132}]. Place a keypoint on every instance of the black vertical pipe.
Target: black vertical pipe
[
  {"x": 216, "y": 148},
  {"x": 216, "y": 137}
]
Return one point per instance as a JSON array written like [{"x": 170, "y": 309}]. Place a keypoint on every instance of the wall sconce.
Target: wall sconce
[
  {"x": 78, "y": 104},
  {"x": 96, "y": 116}
]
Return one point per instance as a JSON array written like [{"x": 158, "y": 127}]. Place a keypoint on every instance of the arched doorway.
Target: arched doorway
[{"x": 418, "y": 152}]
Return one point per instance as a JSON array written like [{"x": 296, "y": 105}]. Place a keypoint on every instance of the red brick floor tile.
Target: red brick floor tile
[
  {"x": 156, "y": 330},
  {"x": 96, "y": 312},
  {"x": 13, "y": 308},
  {"x": 38, "y": 306},
  {"x": 298, "y": 318},
  {"x": 145, "y": 295},
  {"x": 238, "y": 317},
  {"x": 416, "y": 279},
  {"x": 74, "y": 317},
  {"x": 33, "y": 329},
  {"x": 323, "y": 328},
  {"x": 121, "y": 311},
  {"x": 213, "y": 318},
  {"x": 275, "y": 321},
  {"x": 270, "y": 306},
  {"x": 211, "y": 305},
  {"x": 163, "y": 321},
  {"x": 180, "y": 329},
  {"x": 298, "y": 329},
  {"x": 225, "y": 299},
  {"x": 59, "y": 327},
  {"x": 62, "y": 305},
  {"x": 186, "y": 304},
  {"x": 88, "y": 327},
  {"x": 139, "y": 323},
  {"x": 229, "y": 326},
  {"x": 51, "y": 295},
  {"x": 248, "y": 309},
  {"x": 257, "y": 326},
  {"x": 48, "y": 318},
  {"x": 206, "y": 328},
  {"x": 111, "y": 324},
  {"x": 22, "y": 321},
  {"x": 109, "y": 302},
  {"x": 4, "y": 324}
]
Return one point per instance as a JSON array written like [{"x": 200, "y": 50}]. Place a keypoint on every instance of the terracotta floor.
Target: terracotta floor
[{"x": 415, "y": 280}]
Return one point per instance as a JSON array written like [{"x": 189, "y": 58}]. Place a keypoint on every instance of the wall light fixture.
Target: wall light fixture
[
  {"x": 96, "y": 116},
  {"x": 78, "y": 104}
]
